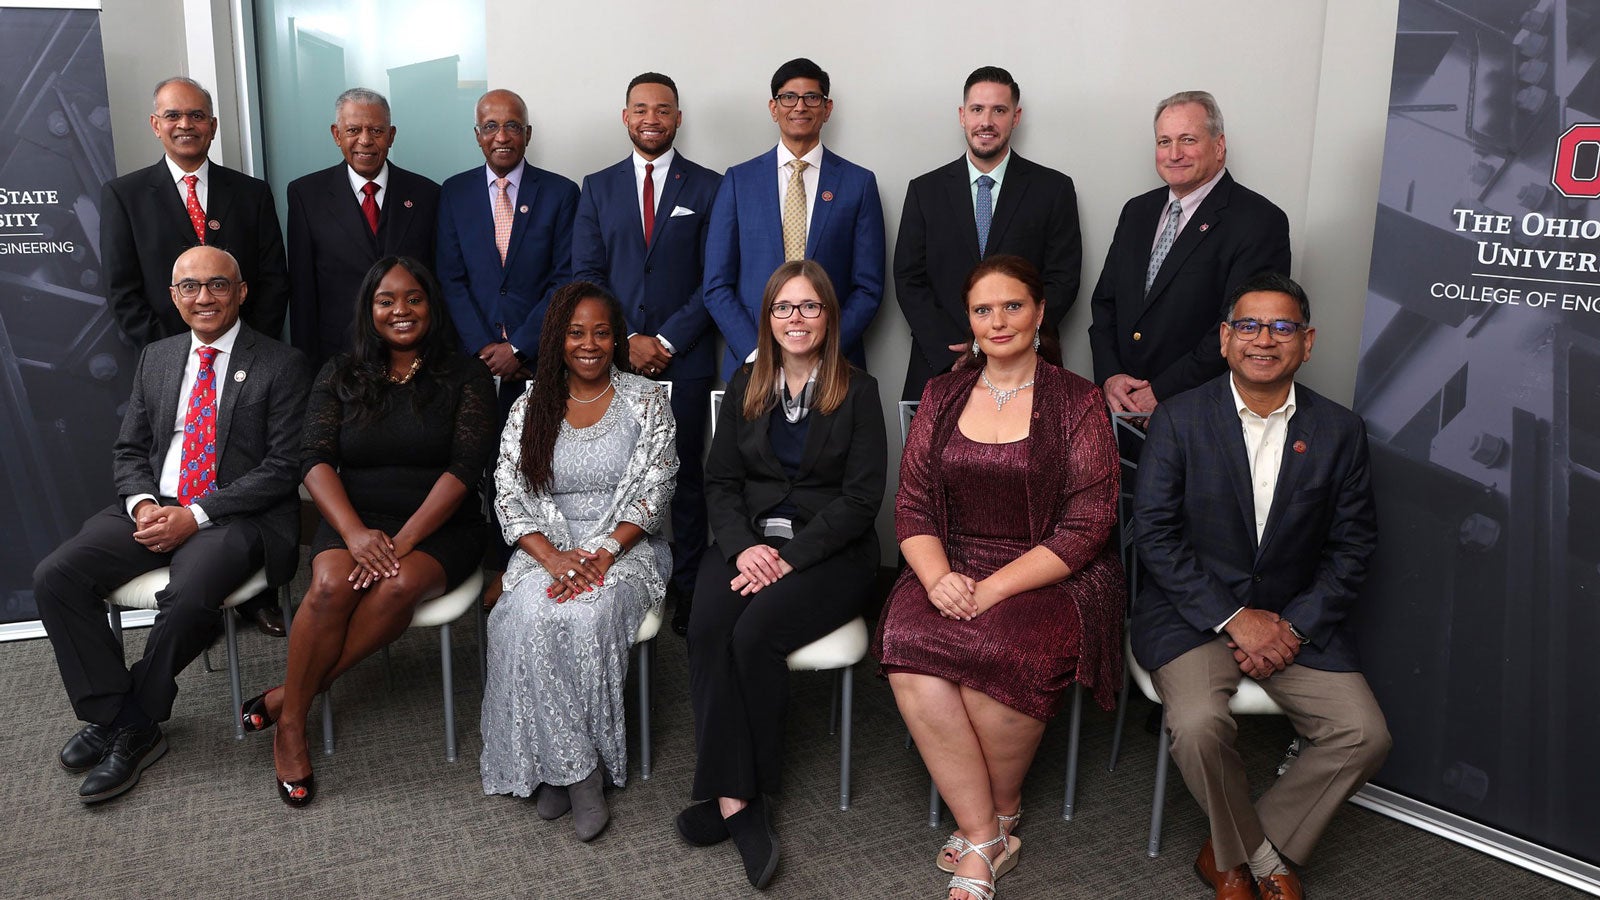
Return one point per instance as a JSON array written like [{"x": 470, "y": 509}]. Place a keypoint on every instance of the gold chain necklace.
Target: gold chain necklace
[{"x": 410, "y": 373}]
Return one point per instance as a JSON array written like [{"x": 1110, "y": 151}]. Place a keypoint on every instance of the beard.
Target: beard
[{"x": 997, "y": 151}]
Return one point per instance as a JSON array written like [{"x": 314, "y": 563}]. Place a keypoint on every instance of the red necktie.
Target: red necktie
[
  {"x": 197, "y": 474},
  {"x": 197, "y": 216},
  {"x": 369, "y": 204},
  {"x": 649, "y": 202}
]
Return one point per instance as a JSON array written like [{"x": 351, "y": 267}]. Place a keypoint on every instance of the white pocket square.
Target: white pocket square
[{"x": 681, "y": 211}]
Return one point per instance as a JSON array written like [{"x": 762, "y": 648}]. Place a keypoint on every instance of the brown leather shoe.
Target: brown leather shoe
[
  {"x": 1284, "y": 886},
  {"x": 1234, "y": 884}
]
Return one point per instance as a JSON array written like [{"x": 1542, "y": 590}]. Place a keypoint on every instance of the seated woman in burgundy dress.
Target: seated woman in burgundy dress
[{"x": 1012, "y": 591}]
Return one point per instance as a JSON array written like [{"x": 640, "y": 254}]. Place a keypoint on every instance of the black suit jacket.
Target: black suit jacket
[
  {"x": 1170, "y": 336},
  {"x": 258, "y": 437},
  {"x": 331, "y": 248},
  {"x": 1194, "y": 525},
  {"x": 837, "y": 490},
  {"x": 1036, "y": 218},
  {"x": 144, "y": 228}
]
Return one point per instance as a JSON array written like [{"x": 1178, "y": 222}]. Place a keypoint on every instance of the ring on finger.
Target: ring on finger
[{"x": 572, "y": 573}]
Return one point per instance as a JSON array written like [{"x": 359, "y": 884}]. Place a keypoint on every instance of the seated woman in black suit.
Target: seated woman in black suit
[
  {"x": 793, "y": 483},
  {"x": 397, "y": 434}
]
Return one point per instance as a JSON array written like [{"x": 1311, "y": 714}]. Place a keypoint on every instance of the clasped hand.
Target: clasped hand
[
  {"x": 588, "y": 572},
  {"x": 957, "y": 596},
  {"x": 163, "y": 529},
  {"x": 1262, "y": 643},
  {"x": 376, "y": 555},
  {"x": 759, "y": 566}
]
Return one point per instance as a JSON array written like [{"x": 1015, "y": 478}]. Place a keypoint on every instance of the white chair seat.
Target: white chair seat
[
  {"x": 450, "y": 607},
  {"x": 650, "y": 626},
  {"x": 140, "y": 592},
  {"x": 844, "y": 646},
  {"x": 1250, "y": 700}
]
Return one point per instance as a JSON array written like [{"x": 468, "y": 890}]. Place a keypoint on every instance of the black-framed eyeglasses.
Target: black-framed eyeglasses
[
  {"x": 810, "y": 309},
  {"x": 790, "y": 98},
  {"x": 220, "y": 288},
  {"x": 1280, "y": 329},
  {"x": 512, "y": 129}
]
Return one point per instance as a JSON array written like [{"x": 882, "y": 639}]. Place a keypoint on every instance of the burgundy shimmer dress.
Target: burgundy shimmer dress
[{"x": 989, "y": 504}]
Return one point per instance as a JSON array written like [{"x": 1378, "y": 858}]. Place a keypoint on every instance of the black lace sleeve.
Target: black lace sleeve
[
  {"x": 476, "y": 434},
  {"x": 324, "y": 416}
]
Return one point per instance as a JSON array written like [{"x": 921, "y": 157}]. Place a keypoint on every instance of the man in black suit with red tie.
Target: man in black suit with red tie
[
  {"x": 345, "y": 218},
  {"x": 990, "y": 201},
  {"x": 149, "y": 217},
  {"x": 1177, "y": 253}
]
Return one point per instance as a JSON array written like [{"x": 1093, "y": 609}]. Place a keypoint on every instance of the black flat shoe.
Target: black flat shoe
[
  {"x": 751, "y": 830},
  {"x": 84, "y": 750},
  {"x": 701, "y": 824},
  {"x": 298, "y": 793},
  {"x": 253, "y": 713},
  {"x": 132, "y": 751}
]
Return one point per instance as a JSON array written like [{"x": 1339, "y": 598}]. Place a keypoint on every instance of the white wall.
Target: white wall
[{"x": 1303, "y": 88}]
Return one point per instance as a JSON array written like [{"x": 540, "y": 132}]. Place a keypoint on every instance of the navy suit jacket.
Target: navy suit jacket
[
  {"x": 1194, "y": 526},
  {"x": 660, "y": 284},
  {"x": 144, "y": 228},
  {"x": 746, "y": 244},
  {"x": 1170, "y": 335},
  {"x": 484, "y": 295},
  {"x": 331, "y": 248}
]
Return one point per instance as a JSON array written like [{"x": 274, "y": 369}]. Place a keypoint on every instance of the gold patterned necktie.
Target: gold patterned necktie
[{"x": 794, "y": 212}]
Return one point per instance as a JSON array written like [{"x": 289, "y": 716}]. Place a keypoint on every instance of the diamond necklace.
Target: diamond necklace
[{"x": 1001, "y": 397}]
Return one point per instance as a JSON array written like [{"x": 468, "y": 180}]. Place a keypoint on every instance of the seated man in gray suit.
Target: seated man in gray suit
[
  {"x": 206, "y": 466},
  {"x": 1254, "y": 519}
]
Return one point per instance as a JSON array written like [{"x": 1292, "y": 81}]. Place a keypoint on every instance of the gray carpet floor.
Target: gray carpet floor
[{"x": 393, "y": 819}]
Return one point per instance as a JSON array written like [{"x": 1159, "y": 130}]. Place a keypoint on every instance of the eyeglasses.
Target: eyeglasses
[
  {"x": 221, "y": 288},
  {"x": 512, "y": 129},
  {"x": 1280, "y": 329},
  {"x": 790, "y": 98},
  {"x": 808, "y": 310},
  {"x": 173, "y": 117}
]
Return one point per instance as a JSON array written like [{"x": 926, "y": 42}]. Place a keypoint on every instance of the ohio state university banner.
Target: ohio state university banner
[{"x": 1479, "y": 380}]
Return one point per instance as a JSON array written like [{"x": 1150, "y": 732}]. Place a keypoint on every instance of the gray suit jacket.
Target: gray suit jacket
[{"x": 258, "y": 437}]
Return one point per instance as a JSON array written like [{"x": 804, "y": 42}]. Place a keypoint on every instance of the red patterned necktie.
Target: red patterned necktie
[
  {"x": 197, "y": 216},
  {"x": 369, "y": 204},
  {"x": 649, "y": 202},
  {"x": 198, "y": 472}
]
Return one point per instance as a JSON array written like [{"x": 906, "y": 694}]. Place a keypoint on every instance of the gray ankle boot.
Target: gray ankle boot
[{"x": 589, "y": 812}]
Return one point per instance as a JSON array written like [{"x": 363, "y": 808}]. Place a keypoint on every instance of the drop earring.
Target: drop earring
[
  {"x": 1036, "y": 339},
  {"x": 974, "y": 348}
]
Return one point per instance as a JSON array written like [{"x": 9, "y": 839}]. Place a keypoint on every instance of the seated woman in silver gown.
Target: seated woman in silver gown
[{"x": 585, "y": 475}]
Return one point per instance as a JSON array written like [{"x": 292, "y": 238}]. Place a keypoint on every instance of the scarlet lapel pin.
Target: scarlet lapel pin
[
  {"x": 214, "y": 225},
  {"x": 408, "y": 204},
  {"x": 1204, "y": 227},
  {"x": 1299, "y": 446},
  {"x": 827, "y": 196}
]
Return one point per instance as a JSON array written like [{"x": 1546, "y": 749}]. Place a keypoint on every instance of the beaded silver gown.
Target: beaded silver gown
[{"x": 553, "y": 703}]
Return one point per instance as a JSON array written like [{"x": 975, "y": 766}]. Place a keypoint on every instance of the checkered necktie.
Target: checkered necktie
[
  {"x": 1163, "y": 243},
  {"x": 197, "y": 216},
  {"x": 794, "y": 212},
  {"x": 984, "y": 212},
  {"x": 198, "y": 473},
  {"x": 502, "y": 217}
]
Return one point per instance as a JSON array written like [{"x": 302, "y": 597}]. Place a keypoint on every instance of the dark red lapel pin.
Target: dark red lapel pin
[{"x": 1299, "y": 446}]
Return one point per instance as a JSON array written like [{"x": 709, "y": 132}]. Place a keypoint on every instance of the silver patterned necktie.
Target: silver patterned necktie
[
  {"x": 1164, "y": 243},
  {"x": 984, "y": 212}
]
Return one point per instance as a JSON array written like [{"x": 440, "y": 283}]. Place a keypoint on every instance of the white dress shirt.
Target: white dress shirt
[
  {"x": 1189, "y": 203},
  {"x": 1264, "y": 437},
  {"x": 201, "y": 185},
  {"x": 357, "y": 182},
  {"x": 167, "y": 481}
]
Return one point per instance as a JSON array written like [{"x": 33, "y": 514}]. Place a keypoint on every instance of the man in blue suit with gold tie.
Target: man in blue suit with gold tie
[
  {"x": 641, "y": 233},
  {"x": 798, "y": 200}
]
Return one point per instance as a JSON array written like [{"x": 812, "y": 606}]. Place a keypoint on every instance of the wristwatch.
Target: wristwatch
[{"x": 1296, "y": 632}]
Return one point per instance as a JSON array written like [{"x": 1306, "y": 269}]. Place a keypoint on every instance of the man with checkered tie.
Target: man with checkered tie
[{"x": 206, "y": 466}]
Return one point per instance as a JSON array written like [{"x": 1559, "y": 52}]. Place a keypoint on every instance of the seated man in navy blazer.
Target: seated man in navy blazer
[
  {"x": 1254, "y": 520},
  {"x": 641, "y": 233},
  {"x": 206, "y": 466},
  {"x": 505, "y": 243},
  {"x": 344, "y": 218},
  {"x": 988, "y": 202},
  {"x": 796, "y": 201}
]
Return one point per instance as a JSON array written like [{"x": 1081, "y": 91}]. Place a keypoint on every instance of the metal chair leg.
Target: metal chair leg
[
  {"x": 449, "y": 694},
  {"x": 846, "y": 691},
  {"x": 115, "y": 615},
  {"x": 327, "y": 722},
  {"x": 288, "y": 610},
  {"x": 934, "y": 813},
  {"x": 1122, "y": 717},
  {"x": 644, "y": 709},
  {"x": 1072, "y": 752},
  {"x": 833, "y": 705},
  {"x": 1158, "y": 805},
  {"x": 232, "y": 632}
]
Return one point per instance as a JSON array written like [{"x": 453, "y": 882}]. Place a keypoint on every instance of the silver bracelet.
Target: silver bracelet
[{"x": 612, "y": 544}]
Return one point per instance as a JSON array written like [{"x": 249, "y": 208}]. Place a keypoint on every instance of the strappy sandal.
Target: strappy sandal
[
  {"x": 1008, "y": 824},
  {"x": 980, "y": 890}
]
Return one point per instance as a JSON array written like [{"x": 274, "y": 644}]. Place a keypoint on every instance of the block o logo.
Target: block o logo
[{"x": 1577, "y": 169}]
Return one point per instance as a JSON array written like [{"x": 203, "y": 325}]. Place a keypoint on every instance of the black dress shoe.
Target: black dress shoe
[
  {"x": 268, "y": 618},
  {"x": 299, "y": 792},
  {"x": 132, "y": 751},
  {"x": 84, "y": 750},
  {"x": 701, "y": 824},
  {"x": 751, "y": 830},
  {"x": 681, "y": 603}
]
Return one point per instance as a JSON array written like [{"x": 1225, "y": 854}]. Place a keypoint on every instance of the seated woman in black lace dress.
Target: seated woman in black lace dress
[{"x": 397, "y": 435}]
